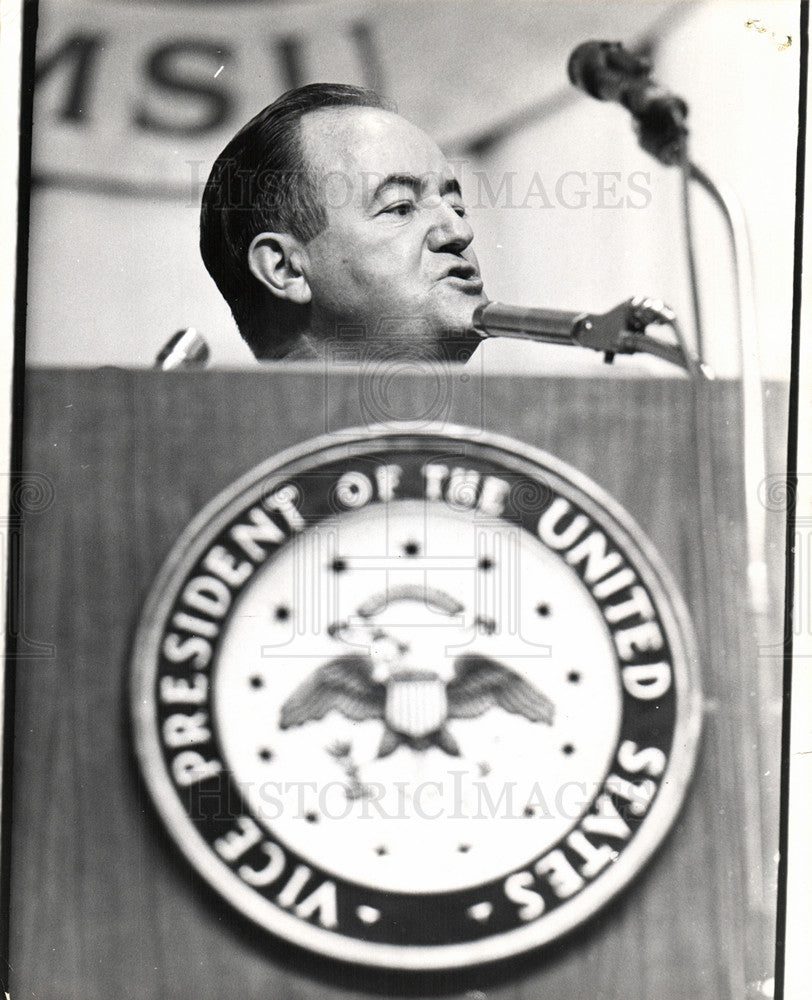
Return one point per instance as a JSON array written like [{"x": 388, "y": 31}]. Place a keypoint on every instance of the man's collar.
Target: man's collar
[{"x": 303, "y": 350}]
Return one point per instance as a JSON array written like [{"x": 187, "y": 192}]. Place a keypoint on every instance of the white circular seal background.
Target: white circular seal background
[
  {"x": 430, "y": 821},
  {"x": 415, "y": 836}
]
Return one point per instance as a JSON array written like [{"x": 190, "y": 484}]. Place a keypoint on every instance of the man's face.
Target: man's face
[{"x": 395, "y": 257}]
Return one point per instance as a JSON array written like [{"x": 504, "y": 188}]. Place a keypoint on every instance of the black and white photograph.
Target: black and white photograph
[{"x": 407, "y": 527}]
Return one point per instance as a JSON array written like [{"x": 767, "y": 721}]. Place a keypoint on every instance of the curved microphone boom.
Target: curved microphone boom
[{"x": 608, "y": 72}]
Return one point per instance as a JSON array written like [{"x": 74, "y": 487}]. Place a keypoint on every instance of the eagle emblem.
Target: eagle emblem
[{"x": 414, "y": 704}]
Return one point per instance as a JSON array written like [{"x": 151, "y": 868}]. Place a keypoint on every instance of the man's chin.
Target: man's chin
[
  {"x": 444, "y": 332},
  {"x": 457, "y": 344},
  {"x": 457, "y": 339}
]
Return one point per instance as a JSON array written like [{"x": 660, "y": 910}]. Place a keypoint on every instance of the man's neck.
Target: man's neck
[
  {"x": 304, "y": 348},
  {"x": 298, "y": 347}
]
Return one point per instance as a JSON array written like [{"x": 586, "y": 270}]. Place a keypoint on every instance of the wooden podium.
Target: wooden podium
[{"x": 101, "y": 903}]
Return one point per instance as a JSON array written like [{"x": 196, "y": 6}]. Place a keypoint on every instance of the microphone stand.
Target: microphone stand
[
  {"x": 606, "y": 71},
  {"x": 752, "y": 402},
  {"x": 660, "y": 123}
]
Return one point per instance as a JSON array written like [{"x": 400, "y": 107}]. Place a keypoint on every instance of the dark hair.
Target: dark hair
[{"x": 261, "y": 182}]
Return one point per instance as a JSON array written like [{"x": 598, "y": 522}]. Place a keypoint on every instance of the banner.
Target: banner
[{"x": 135, "y": 98}]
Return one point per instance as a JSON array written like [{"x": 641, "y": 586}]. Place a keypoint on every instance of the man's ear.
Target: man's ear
[{"x": 275, "y": 259}]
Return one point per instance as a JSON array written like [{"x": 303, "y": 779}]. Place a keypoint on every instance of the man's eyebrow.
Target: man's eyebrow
[{"x": 448, "y": 186}]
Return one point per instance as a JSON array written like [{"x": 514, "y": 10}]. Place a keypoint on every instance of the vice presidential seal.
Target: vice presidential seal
[{"x": 415, "y": 699}]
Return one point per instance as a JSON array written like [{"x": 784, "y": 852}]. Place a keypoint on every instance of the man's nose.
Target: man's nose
[{"x": 450, "y": 232}]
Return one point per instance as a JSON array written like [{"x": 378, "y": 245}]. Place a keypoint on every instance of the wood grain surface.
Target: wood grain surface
[{"x": 103, "y": 907}]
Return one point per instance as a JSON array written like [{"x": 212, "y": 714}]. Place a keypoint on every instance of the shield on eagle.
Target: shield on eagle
[{"x": 416, "y": 703}]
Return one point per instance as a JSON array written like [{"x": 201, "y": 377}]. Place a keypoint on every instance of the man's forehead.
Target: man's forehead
[{"x": 370, "y": 142}]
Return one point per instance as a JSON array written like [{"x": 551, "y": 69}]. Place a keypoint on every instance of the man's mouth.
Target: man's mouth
[{"x": 466, "y": 273}]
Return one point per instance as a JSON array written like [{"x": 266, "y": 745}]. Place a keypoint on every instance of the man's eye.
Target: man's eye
[
  {"x": 401, "y": 208},
  {"x": 460, "y": 210}
]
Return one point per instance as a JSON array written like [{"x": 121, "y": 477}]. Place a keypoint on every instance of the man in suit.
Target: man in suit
[{"x": 328, "y": 220}]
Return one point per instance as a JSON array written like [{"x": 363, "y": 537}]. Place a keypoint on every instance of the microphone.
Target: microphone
[
  {"x": 184, "y": 349},
  {"x": 619, "y": 331},
  {"x": 608, "y": 72}
]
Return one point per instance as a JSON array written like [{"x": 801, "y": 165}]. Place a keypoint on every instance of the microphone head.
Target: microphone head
[
  {"x": 604, "y": 70},
  {"x": 608, "y": 72},
  {"x": 184, "y": 349},
  {"x": 582, "y": 62}
]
